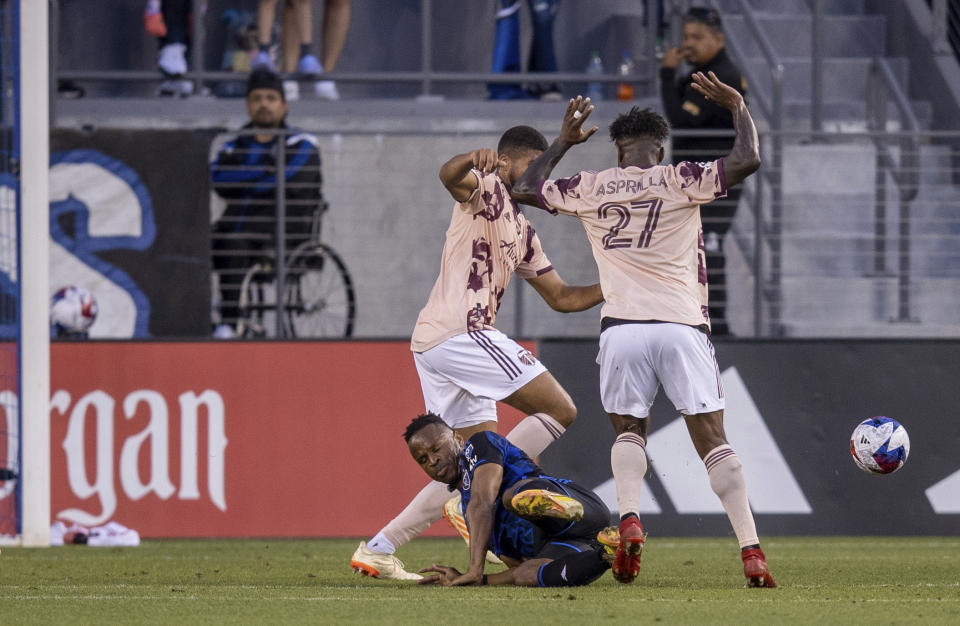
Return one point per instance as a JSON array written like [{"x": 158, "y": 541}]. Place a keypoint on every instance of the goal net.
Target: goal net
[{"x": 24, "y": 274}]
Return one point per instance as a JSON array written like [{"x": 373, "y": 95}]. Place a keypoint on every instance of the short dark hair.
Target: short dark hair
[
  {"x": 521, "y": 139},
  {"x": 637, "y": 123},
  {"x": 420, "y": 422},
  {"x": 265, "y": 79},
  {"x": 706, "y": 16}
]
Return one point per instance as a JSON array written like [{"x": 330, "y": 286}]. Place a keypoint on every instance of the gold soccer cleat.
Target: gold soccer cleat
[
  {"x": 543, "y": 503},
  {"x": 609, "y": 538},
  {"x": 386, "y": 566}
]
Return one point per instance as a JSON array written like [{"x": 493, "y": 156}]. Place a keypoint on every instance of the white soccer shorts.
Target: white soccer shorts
[
  {"x": 635, "y": 359},
  {"x": 463, "y": 377}
]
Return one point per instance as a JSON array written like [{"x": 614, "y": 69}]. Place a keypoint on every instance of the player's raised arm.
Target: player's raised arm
[
  {"x": 455, "y": 173},
  {"x": 563, "y": 297},
  {"x": 744, "y": 157},
  {"x": 571, "y": 133}
]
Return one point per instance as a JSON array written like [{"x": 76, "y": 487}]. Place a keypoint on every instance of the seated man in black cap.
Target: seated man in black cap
[{"x": 244, "y": 174}]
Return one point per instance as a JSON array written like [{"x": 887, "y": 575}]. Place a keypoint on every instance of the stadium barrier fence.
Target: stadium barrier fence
[{"x": 254, "y": 439}]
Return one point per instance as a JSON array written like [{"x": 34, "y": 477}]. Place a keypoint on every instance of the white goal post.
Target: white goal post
[{"x": 34, "y": 273}]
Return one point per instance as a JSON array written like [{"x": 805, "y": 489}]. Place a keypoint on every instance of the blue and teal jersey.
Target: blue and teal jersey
[{"x": 512, "y": 536}]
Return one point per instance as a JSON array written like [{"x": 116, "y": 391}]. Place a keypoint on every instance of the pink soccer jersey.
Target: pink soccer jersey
[
  {"x": 487, "y": 241},
  {"x": 645, "y": 231}
]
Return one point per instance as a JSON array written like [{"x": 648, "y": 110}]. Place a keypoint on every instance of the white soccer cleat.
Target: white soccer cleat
[
  {"x": 451, "y": 513},
  {"x": 370, "y": 563}
]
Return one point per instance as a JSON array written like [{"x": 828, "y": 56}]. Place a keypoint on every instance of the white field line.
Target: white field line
[{"x": 498, "y": 600}]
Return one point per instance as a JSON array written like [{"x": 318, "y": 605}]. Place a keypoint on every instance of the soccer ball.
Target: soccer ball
[
  {"x": 73, "y": 310},
  {"x": 879, "y": 445}
]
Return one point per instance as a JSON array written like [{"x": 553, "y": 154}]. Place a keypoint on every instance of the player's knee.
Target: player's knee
[
  {"x": 572, "y": 570},
  {"x": 565, "y": 412},
  {"x": 623, "y": 424}
]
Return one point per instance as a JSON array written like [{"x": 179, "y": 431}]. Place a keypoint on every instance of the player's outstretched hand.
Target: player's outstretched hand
[
  {"x": 578, "y": 110},
  {"x": 445, "y": 575},
  {"x": 485, "y": 160},
  {"x": 714, "y": 89}
]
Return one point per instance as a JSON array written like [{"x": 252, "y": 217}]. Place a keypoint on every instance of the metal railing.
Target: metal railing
[
  {"x": 426, "y": 76},
  {"x": 904, "y": 171},
  {"x": 823, "y": 235},
  {"x": 773, "y": 111}
]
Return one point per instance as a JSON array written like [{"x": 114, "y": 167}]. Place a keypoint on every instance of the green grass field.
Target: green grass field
[{"x": 887, "y": 580}]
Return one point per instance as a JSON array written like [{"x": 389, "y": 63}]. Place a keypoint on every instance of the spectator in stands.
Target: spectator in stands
[
  {"x": 297, "y": 40},
  {"x": 506, "y": 50},
  {"x": 686, "y": 108},
  {"x": 244, "y": 174},
  {"x": 169, "y": 20}
]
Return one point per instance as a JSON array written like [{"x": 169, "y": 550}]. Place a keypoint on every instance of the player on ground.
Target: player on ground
[
  {"x": 465, "y": 364},
  {"x": 544, "y": 528},
  {"x": 643, "y": 223}
]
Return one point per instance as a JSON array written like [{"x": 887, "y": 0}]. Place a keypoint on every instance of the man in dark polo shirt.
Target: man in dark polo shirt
[{"x": 703, "y": 48}]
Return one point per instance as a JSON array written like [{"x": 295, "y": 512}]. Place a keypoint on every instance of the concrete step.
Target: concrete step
[
  {"x": 844, "y": 78},
  {"x": 876, "y": 330},
  {"x": 849, "y": 115},
  {"x": 795, "y": 7},
  {"x": 814, "y": 302},
  {"x": 843, "y": 35}
]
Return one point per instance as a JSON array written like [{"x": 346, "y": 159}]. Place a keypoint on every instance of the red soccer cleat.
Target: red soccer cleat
[
  {"x": 755, "y": 568},
  {"x": 626, "y": 563}
]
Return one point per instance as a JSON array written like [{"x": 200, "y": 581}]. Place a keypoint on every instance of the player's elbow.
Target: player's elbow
[
  {"x": 744, "y": 166},
  {"x": 524, "y": 192},
  {"x": 561, "y": 300},
  {"x": 521, "y": 187}
]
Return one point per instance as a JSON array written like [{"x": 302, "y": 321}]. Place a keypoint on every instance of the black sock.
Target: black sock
[
  {"x": 264, "y": 47},
  {"x": 626, "y": 515},
  {"x": 756, "y": 545},
  {"x": 304, "y": 49},
  {"x": 572, "y": 570}
]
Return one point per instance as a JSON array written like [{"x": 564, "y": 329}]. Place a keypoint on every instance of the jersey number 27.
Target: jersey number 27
[{"x": 623, "y": 215}]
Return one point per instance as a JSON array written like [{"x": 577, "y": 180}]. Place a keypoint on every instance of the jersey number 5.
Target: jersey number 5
[{"x": 623, "y": 214}]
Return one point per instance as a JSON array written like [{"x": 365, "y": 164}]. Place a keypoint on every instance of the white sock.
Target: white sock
[
  {"x": 425, "y": 508},
  {"x": 381, "y": 544},
  {"x": 628, "y": 459},
  {"x": 727, "y": 481},
  {"x": 534, "y": 433}
]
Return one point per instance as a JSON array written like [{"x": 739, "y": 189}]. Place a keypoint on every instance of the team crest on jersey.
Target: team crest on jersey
[
  {"x": 470, "y": 459},
  {"x": 526, "y": 357},
  {"x": 469, "y": 456}
]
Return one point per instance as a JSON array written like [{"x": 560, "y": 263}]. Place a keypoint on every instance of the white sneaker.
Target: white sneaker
[
  {"x": 175, "y": 89},
  {"x": 172, "y": 59},
  {"x": 224, "y": 331},
  {"x": 291, "y": 90},
  {"x": 326, "y": 90},
  {"x": 370, "y": 563}
]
